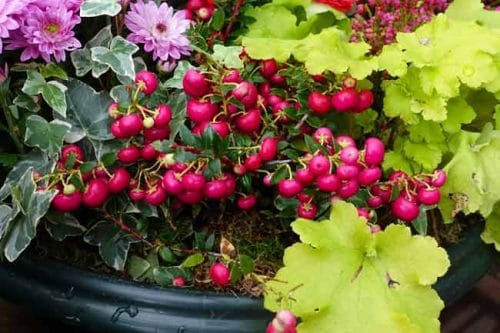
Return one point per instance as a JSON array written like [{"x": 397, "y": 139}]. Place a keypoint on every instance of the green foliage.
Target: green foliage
[
  {"x": 52, "y": 91},
  {"x": 342, "y": 278},
  {"x": 82, "y": 58},
  {"x": 118, "y": 56},
  {"x": 61, "y": 226},
  {"x": 90, "y": 8},
  {"x": 44, "y": 135},
  {"x": 491, "y": 234}
]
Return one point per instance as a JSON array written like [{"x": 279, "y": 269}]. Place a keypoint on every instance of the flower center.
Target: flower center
[
  {"x": 161, "y": 28},
  {"x": 52, "y": 28}
]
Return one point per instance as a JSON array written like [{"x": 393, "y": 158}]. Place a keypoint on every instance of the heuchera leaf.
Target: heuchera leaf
[
  {"x": 491, "y": 233},
  {"x": 342, "y": 278}
]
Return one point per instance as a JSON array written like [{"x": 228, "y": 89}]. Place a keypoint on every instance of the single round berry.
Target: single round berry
[
  {"x": 305, "y": 176},
  {"x": 349, "y": 82},
  {"x": 349, "y": 155},
  {"x": 345, "y": 100},
  {"x": 348, "y": 189},
  {"x": 201, "y": 111},
  {"x": 149, "y": 153},
  {"x": 247, "y": 202},
  {"x": 116, "y": 130},
  {"x": 345, "y": 141},
  {"x": 253, "y": 162},
  {"x": 67, "y": 203},
  {"x": 130, "y": 125},
  {"x": 220, "y": 127},
  {"x": 113, "y": 110},
  {"x": 429, "y": 196},
  {"x": 156, "y": 196},
  {"x": 246, "y": 93},
  {"x": 69, "y": 189},
  {"x": 268, "y": 149},
  {"x": 239, "y": 169},
  {"x": 193, "y": 182},
  {"x": 229, "y": 183},
  {"x": 404, "y": 209},
  {"x": 319, "y": 103},
  {"x": 195, "y": 84},
  {"x": 319, "y": 165},
  {"x": 148, "y": 122},
  {"x": 190, "y": 197},
  {"x": 323, "y": 136},
  {"x": 215, "y": 189},
  {"x": 147, "y": 81},
  {"x": 119, "y": 181},
  {"x": 304, "y": 197},
  {"x": 363, "y": 213},
  {"x": 438, "y": 178},
  {"x": 163, "y": 115},
  {"x": 374, "y": 202},
  {"x": 220, "y": 274},
  {"x": 178, "y": 281},
  {"x": 232, "y": 77},
  {"x": 365, "y": 100},
  {"x": 307, "y": 210},
  {"x": 369, "y": 176},
  {"x": 268, "y": 67},
  {"x": 374, "y": 151},
  {"x": 72, "y": 151},
  {"x": 289, "y": 188},
  {"x": 249, "y": 122},
  {"x": 96, "y": 192},
  {"x": 172, "y": 182},
  {"x": 130, "y": 154},
  {"x": 137, "y": 194},
  {"x": 347, "y": 172},
  {"x": 328, "y": 183},
  {"x": 384, "y": 191}
]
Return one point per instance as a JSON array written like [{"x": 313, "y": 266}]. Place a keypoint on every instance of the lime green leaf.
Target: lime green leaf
[
  {"x": 340, "y": 277},
  {"x": 228, "y": 56},
  {"x": 91, "y": 8},
  {"x": 397, "y": 102},
  {"x": 193, "y": 260},
  {"x": 473, "y": 10},
  {"x": 472, "y": 184},
  {"x": 395, "y": 160},
  {"x": 118, "y": 56},
  {"x": 459, "y": 113},
  {"x": 391, "y": 59},
  {"x": 30, "y": 206},
  {"x": 44, "y": 135},
  {"x": 425, "y": 154},
  {"x": 82, "y": 58},
  {"x": 491, "y": 233}
]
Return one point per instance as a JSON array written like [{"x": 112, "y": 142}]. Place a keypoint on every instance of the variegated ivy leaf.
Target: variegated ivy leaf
[
  {"x": 91, "y": 8},
  {"x": 82, "y": 58},
  {"x": 53, "y": 92},
  {"x": 44, "y": 135},
  {"x": 118, "y": 56}
]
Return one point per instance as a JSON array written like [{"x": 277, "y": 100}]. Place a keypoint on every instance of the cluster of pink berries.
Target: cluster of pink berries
[
  {"x": 378, "y": 22},
  {"x": 284, "y": 322},
  {"x": 347, "y": 99},
  {"x": 200, "y": 9}
]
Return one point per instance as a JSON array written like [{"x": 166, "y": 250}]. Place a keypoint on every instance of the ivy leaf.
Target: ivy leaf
[
  {"x": 228, "y": 56},
  {"x": 472, "y": 184},
  {"x": 53, "y": 70},
  {"x": 52, "y": 91},
  {"x": 6, "y": 213},
  {"x": 137, "y": 267},
  {"x": 31, "y": 206},
  {"x": 44, "y": 135},
  {"x": 118, "y": 56},
  {"x": 82, "y": 58},
  {"x": 176, "y": 80},
  {"x": 61, "y": 226},
  {"x": 91, "y": 8},
  {"x": 113, "y": 243},
  {"x": 387, "y": 275}
]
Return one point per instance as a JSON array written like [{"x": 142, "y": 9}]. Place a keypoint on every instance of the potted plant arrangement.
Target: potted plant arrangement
[{"x": 165, "y": 169}]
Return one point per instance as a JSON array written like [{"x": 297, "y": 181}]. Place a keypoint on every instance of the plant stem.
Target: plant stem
[{"x": 10, "y": 124}]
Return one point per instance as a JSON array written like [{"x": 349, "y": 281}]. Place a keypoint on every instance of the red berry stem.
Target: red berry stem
[
  {"x": 119, "y": 222},
  {"x": 236, "y": 12}
]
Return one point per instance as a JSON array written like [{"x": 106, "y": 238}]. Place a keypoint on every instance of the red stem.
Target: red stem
[{"x": 236, "y": 12}]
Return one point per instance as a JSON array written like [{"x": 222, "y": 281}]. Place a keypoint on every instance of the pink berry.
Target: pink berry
[
  {"x": 232, "y": 77},
  {"x": 374, "y": 202},
  {"x": 253, "y": 162},
  {"x": 304, "y": 197},
  {"x": 190, "y": 197},
  {"x": 163, "y": 116},
  {"x": 289, "y": 188},
  {"x": 268, "y": 68},
  {"x": 429, "y": 196},
  {"x": 215, "y": 189},
  {"x": 345, "y": 141},
  {"x": 219, "y": 127},
  {"x": 114, "y": 111},
  {"x": 323, "y": 136},
  {"x": 319, "y": 165},
  {"x": 438, "y": 178},
  {"x": 404, "y": 209},
  {"x": 328, "y": 183},
  {"x": 363, "y": 213},
  {"x": 249, "y": 122},
  {"x": 319, "y": 103},
  {"x": 195, "y": 84},
  {"x": 267, "y": 180},
  {"x": 172, "y": 183},
  {"x": 199, "y": 111},
  {"x": 246, "y": 93},
  {"x": 365, "y": 100},
  {"x": 348, "y": 189},
  {"x": 247, "y": 202},
  {"x": 369, "y": 175},
  {"x": 154, "y": 134},
  {"x": 137, "y": 194},
  {"x": 193, "y": 182},
  {"x": 96, "y": 192},
  {"x": 347, "y": 172},
  {"x": 149, "y": 153},
  {"x": 304, "y": 176},
  {"x": 345, "y": 100},
  {"x": 65, "y": 203},
  {"x": 307, "y": 210},
  {"x": 130, "y": 125},
  {"x": 384, "y": 191},
  {"x": 156, "y": 196},
  {"x": 148, "y": 80},
  {"x": 119, "y": 180},
  {"x": 374, "y": 151},
  {"x": 349, "y": 155},
  {"x": 268, "y": 149},
  {"x": 130, "y": 154},
  {"x": 220, "y": 274},
  {"x": 349, "y": 82},
  {"x": 116, "y": 131},
  {"x": 178, "y": 281},
  {"x": 239, "y": 169}
]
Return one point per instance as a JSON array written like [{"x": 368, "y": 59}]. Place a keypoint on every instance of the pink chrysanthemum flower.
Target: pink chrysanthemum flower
[
  {"x": 8, "y": 9},
  {"x": 159, "y": 29},
  {"x": 45, "y": 31}
]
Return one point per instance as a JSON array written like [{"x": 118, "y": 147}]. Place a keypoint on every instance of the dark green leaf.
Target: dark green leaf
[
  {"x": 8, "y": 160},
  {"x": 27, "y": 102},
  {"x": 109, "y": 159},
  {"x": 246, "y": 264},
  {"x": 285, "y": 204},
  {"x": 164, "y": 275},
  {"x": 167, "y": 255},
  {"x": 281, "y": 173},
  {"x": 193, "y": 260},
  {"x": 60, "y": 226},
  {"x": 187, "y": 137},
  {"x": 87, "y": 166},
  {"x": 214, "y": 168},
  {"x": 218, "y": 20},
  {"x": 137, "y": 267},
  {"x": 183, "y": 156},
  {"x": 420, "y": 224},
  {"x": 246, "y": 181},
  {"x": 177, "y": 103},
  {"x": 236, "y": 273}
]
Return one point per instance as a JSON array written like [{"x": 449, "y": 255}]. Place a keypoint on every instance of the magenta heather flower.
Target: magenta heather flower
[
  {"x": 159, "y": 29},
  {"x": 8, "y": 10},
  {"x": 46, "y": 29}
]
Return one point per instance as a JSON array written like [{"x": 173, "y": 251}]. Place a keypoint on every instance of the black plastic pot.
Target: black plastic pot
[{"x": 109, "y": 304}]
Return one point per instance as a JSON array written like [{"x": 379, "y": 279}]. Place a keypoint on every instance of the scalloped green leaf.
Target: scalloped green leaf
[
  {"x": 491, "y": 233},
  {"x": 342, "y": 278}
]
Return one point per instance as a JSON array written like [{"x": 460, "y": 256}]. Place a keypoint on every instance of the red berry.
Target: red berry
[
  {"x": 95, "y": 193},
  {"x": 404, "y": 209},
  {"x": 374, "y": 202},
  {"x": 249, "y": 122},
  {"x": 349, "y": 82},
  {"x": 193, "y": 182},
  {"x": 347, "y": 172},
  {"x": 195, "y": 84},
  {"x": 363, "y": 213},
  {"x": 274, "y": 100},
  {"x": 239, "y": 169},
  {"x": 268, "y": 149},
  {"x": 328, "y": 183},
  {"x": 233, "y": 77},
  {"x": 268, "y": 68},
  {"x": 304, "y": 176},
  {"x": 148, "y": 80},
  {"x": 289, "y": 188},
  {"x": 230, "y": 183},
  {"x": 199, "y": 111},
  {"x": 383, "y": 191},
  {"x": 348, "y": 189},
  {"x": 215, "y": 189},
  {"x": 67, "y": 203},
  {"x": 349, "y": 155},
  {"x": 246, "y": 93},
  {"x": 307, "y": 210},
  {"x": 374, "y": 151},
  {"x": 163, "y": 116},
  {"x": 319, "y": 165},
  {"x": 72, "y": 150},
  {"x": 190, "y": 197},
  {"x": 172, "y": 183},
  {"x": 220, "y": 274},
  {"x": 178, "y": 281},
  {"x": 438, "y": 178},
  {"x": 277, "y": 79},
  {"x": 319, "y": 103},
  {"x": 154, "y": 134},
  {"x": 116, "y": 130},
  {"x": 429, "y": 196},
  {"x": 265, "y": 89},
  {"x": 247, "y": 203},
  {"x": 119, "y": 181},
  {"x": 195, "y": 4},
  {"x": 369, "y": 175},
  {"x": 113, "y": 110},
  {"x": 345, "y": 141},
  {"x": 130, "y": 125},
  {"x": 156, "y": 196},
  {"x": 323, "y": 136},
  {"x": 304, "y": 197},
  {"x": 137, "y": 194},
  {"x": 219, "y": 127},
  {"x": 149, "y": 153},
  {"x": 365, "y": 100},
  {"x": 130, "y": 154},
  {"x": 345, "y": 100},
  {"x": 253, "y": 162},
  {"x": 319, "y": 78}
]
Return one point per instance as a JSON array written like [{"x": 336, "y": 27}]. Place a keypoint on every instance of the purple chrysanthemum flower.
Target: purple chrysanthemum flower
[
  {"x": 159, "y": 29},
  {"x": 8, "y": 9},
  {"x": 45, "y": 31}
]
